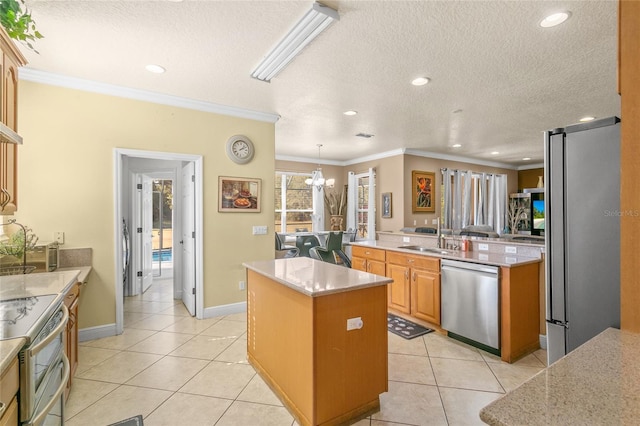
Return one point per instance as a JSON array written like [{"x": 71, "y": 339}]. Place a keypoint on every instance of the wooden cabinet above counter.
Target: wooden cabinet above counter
[{"x": 10, "y": 60}]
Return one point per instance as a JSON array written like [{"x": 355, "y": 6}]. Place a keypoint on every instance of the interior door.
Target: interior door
[
  {"x": 146, "y": 236},
  {"x": 188, "y": 239}
]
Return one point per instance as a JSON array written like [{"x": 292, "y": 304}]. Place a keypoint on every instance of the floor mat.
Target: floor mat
[
  {"x": 405, "y": 328},
  {"x": 133, "y": 421}
]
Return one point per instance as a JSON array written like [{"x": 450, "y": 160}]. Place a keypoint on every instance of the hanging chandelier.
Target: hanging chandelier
[{"x": 317, "y": 180}]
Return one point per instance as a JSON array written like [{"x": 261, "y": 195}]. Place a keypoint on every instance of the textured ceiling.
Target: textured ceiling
[{"x": 498, "y": 80}]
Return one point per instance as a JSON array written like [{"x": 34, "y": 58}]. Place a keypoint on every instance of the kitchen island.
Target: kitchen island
[
  {"x": 596, "y": 384},
  {"x": 317, "y": 335}
]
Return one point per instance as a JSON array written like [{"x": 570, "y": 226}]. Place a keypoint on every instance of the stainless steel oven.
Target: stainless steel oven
[{"x": 44, "y": 370}]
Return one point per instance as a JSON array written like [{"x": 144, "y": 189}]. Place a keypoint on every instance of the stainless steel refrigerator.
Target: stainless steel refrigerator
[{"x": 582, "y": 215}]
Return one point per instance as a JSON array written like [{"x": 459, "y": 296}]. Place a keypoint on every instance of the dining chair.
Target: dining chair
[
  {"x": 305, "y": 242},
  {"x": 284, "y": 251}
]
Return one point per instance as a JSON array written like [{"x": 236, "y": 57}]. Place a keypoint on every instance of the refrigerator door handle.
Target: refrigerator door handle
[{"x": 555, "y": 211}]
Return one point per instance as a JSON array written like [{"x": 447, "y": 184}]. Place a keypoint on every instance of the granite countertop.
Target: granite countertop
[
  {"x": 596, "y": 384},
  {"x": 313, "y": 277},
  {"x": 488, "y": 258}
]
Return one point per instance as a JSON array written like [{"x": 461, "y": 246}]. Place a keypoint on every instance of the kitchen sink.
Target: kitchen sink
[{"x": 425, "y": 249}]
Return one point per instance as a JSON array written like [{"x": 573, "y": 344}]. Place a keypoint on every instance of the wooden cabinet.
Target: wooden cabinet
[
  {"x": 8, "y": 395},
  {"x": 416, "y": 285},
  {"x": 368, "y": 260},
  {"x": 71, "y": 335},
  {"x": 10, "y": 60}
]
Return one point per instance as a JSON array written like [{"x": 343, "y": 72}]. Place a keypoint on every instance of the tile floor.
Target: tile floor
[{"x": 176, "y": 370}]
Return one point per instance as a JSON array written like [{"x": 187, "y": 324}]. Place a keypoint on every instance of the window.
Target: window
[{"x": 294, "y": 202}]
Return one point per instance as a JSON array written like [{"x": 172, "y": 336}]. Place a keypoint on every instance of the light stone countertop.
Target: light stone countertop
[
  {"x": 488, "y": 258},
  {"x": 12, "y": 286},
  {"x": 9, "y": 349},
  {"x": 313, "y": 277},
  {"x": 596, "y": 384}
]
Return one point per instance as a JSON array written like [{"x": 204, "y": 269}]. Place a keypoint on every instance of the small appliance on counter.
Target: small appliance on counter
[{"x": 44, "y": 257}]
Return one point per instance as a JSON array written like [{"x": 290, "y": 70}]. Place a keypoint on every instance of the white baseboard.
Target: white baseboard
[
  {"x": 92, "y": 333},
  {"x": 232, "y": 308},
  {"x": 543, "y": 341}
]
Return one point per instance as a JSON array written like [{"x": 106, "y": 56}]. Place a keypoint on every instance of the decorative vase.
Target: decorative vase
[
  {"x": 336, "y": 222},
  {"x": 540, "y": 182}
]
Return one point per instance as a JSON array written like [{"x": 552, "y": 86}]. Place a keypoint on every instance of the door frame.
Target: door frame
[{"x": 119, "y": 155}]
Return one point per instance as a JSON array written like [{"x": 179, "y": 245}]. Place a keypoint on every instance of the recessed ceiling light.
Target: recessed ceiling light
[
  {"x": 526, "y": 159},
  {"x": 589, "y": 118},
  {"x": 457, "y": 145},
  {"x": 495, "y": 153},
  {"x": 156, "y": 69},
  {"x": 350, "y": 112},
  {"x": 554, "y": 19},
  {"x": 420, "y": 81}
]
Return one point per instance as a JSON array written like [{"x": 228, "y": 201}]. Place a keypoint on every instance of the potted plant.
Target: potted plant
[
  {"x": 336, "y": 204},
  {"x": 17, "y": 21}
]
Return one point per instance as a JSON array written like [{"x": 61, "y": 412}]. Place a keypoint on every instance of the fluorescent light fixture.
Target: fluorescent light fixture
[
  {"x": 420, "y": 81},
  {"x": 585, "y": 119},
  {"x": 308, "y": 28},
  {"x": 554, "y": 19}
]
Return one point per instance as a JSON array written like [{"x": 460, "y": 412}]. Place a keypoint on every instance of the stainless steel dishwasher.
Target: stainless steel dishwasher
[{"x": 470, "y": 302}]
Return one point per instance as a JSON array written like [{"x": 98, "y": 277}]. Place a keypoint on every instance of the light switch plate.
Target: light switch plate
[
  {"x": 510, "y": 249},
  {"x": 259, "y": 230},
  {"x": 484, "y": 247}
]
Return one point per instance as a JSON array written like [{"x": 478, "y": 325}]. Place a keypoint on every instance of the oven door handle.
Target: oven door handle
[
  {"x": 59, "y": 328},
  {"x": 39, "y": 418}
]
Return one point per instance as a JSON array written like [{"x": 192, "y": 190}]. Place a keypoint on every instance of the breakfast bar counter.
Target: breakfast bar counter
[
  {"x": 317, "y": 334},
  {"x": 596, "y": 384}
]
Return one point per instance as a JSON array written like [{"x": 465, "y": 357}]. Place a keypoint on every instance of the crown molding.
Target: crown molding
[
  {"x": 531, "y": 166},
  {"x": 36, "y": 76},
  {"x": 460, "y": 159}
]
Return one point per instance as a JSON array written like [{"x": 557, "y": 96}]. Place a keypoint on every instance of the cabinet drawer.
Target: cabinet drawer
[
  {"x": 72, "y": 295},
  {"x": 422, "y": 262},
  {"x": 368, "y": 253},
  {"x": 10, "y": 382}
]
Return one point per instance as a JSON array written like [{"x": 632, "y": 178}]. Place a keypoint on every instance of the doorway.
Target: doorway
[{"x": 139, "y": 175}]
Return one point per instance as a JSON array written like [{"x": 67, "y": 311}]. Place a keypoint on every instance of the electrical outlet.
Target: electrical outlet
[
  {"x": 406, "y": 239},
  {"x": 483, "y": 247},
  {"x": 426, "y": 221},
  {"x": 354, "y": 323},
  {"x": 434, "y": 221},
  {"x": 240, "y": 285},
  {"x": 414, "y": 223},
  {"x": 58, "y": 237},
  {"x": 511, "y": 249}
]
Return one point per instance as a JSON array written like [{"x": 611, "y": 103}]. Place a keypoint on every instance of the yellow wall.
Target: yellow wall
[
  {"x": 66, "y": 181},
  {"x": 529, "y": 178}
]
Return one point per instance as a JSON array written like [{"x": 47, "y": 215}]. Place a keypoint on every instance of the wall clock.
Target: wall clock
[{"x": 240, "y": 149}]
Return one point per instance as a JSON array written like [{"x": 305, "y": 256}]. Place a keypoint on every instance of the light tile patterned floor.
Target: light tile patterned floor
[{"x": 176, "y": 370}]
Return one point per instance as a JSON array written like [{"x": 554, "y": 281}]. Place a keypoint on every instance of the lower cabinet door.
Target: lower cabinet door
[
  {"x": 425, "y": 295},
  {"x": 398, "y": 291}
]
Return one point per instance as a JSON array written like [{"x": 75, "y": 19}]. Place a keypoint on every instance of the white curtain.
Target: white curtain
[
  {"x": 466, "y": 204},
  {"x": 447, "y": 214},
  {"x": 481, "y": 204},
  {"x": 467, "y": 177},
  {"x": 352, "y": 193},
  {"x": 317, "y": 218}
]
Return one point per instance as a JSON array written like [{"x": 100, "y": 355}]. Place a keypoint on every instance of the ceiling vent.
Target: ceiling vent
[{"x": 364, "y": 135}]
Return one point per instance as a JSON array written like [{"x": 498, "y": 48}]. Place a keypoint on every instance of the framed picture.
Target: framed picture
[
  {"x": 240, "y": 195},
  {"x": 423, "y": 192},
  {"x": 386, "y": 204}
]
